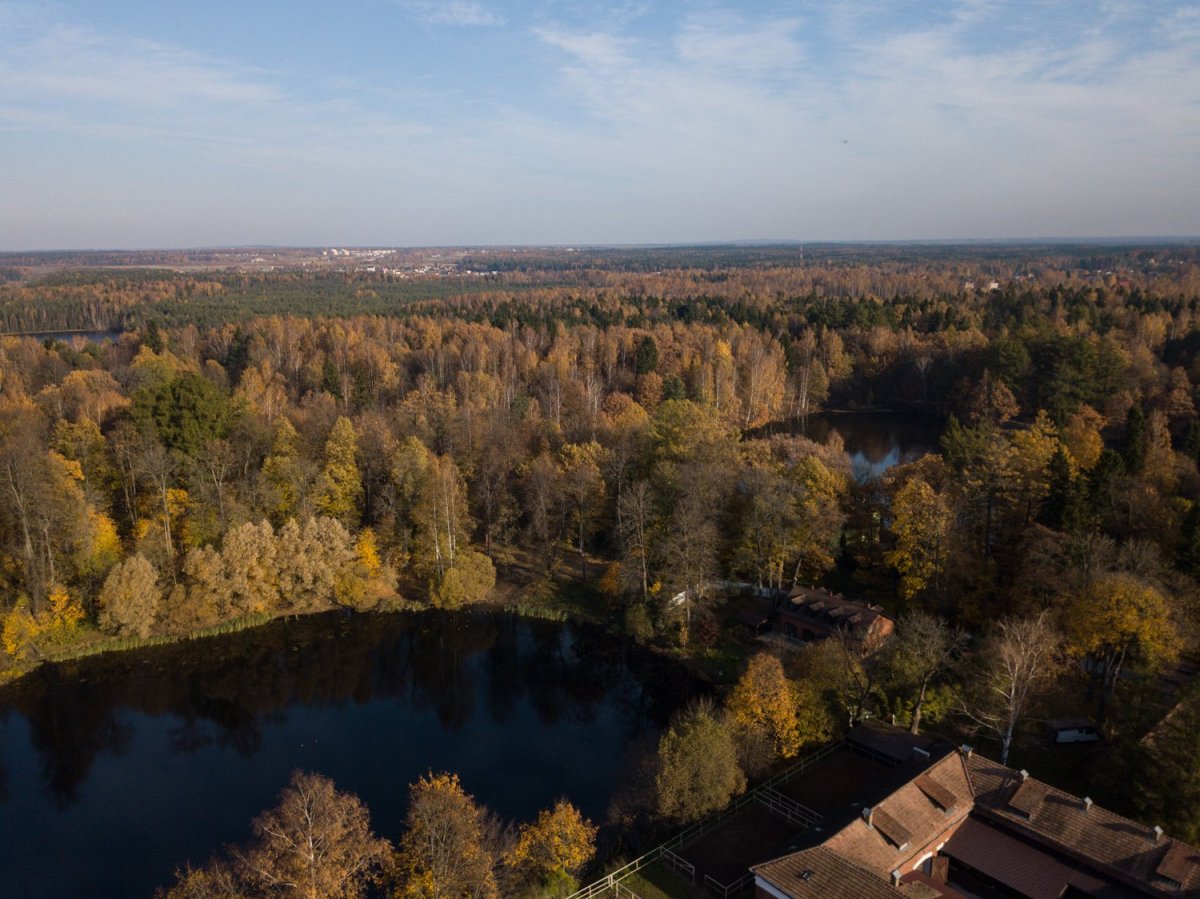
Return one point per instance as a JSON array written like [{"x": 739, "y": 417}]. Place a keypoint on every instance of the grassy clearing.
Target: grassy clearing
[{"x": 656, "y": 882}]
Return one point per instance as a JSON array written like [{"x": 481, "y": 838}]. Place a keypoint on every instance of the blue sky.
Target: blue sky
[{"x": 129, "y": 123}]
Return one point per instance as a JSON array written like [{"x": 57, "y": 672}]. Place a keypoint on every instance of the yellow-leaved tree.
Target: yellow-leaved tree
[
  {"x": 921, "y": 520},
  {"x": 765, "y": 700},
  {"x": 340, "y": 490},
  {"x": 443, "y": 852},
  {"x": 1120, "y": 619},
  {"x": 555, "y": 847},
  {"x": 20, "y": 629}
]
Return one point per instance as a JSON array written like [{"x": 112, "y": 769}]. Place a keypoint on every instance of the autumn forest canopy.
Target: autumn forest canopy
[{"x": 614, "y": 434}]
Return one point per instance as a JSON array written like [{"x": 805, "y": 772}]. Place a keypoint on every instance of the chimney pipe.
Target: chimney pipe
[
  {"x": 867, "y": 814},
  {"x": 1158, "y": 833},
  {"x": 1087, "y": 804},
  {"x": 966, "y": 750},
  {"x": 896, "y": 878},
  {"x": 1024, "y": 775}
]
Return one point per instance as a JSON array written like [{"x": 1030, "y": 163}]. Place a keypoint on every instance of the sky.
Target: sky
[{"x": 159, "y": 123}]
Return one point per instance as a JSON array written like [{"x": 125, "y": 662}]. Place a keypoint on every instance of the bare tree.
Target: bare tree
[
  {"x": 316, "y": 844},
  {"x": 689, "y": 554},
  {"x": 635, "y": 511},
  {"x": 924, "y": 647},
  {"x": 1020, "y": 659}
]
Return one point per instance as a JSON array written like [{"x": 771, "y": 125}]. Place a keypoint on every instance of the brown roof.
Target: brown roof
[
  {"x": 894, "y": 743},
  {"x": 819, "y": 872},
  {"x": 908, "y": 813},
  {"x": 1178, "y": 863},
  {"x": 919, "y": 885},
  {"x": 832, "y": 608},
  {"x": 896, "y": 833},
  {"x": 1107, "y": 842},
  {"x": 935, "y": 791},
  {"x": 1026, "y": 868},
  {"x": 1028, "y": 795},
  {"x": 1020, "y": 832}
]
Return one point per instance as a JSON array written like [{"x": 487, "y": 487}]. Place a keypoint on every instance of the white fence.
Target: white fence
[
  {"x": 786, "y": 807},
  {"x": 717, "y": 888},
  {"x": 765, "y": 793}
]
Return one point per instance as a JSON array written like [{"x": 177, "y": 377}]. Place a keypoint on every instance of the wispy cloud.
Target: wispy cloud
[
  {"x": 71, "y": 63},
  {"x": 595, "y": 49},
  {"x": 854, "y": 118},
  {"x": 451, "y": 12},
  {"x": 726, "y": 43}
]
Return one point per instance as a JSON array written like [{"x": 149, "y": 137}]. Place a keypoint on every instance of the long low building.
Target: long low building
[{"x": 966, "y": 826}]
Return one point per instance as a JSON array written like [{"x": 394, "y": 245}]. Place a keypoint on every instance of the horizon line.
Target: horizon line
[{"x": 1098, "y": 240}]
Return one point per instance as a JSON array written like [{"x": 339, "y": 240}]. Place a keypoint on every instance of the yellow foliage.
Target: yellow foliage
[
  {"x": 177, "y": 501},
  {"x": 104, "y": 549},
  {"x": 764, "y": 699},
  {"x": 68, "y": 467},
  {"x": 367, "y": 552},
  {"x": 1120, "y": 616},
  {"x": 20, "y": 629},
  {"x": 560, "y": 841},
  {"x": 64, "y": 613},
  {"x": 922, "y": 521}
]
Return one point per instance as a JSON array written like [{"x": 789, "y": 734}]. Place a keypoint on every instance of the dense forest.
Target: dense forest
[{"x": 607, "y": 434}]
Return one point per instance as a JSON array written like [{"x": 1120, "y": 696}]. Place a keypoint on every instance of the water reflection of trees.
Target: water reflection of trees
[{"x": 226, "y": 691}]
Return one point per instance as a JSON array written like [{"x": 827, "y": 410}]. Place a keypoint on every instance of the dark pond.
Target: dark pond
[
  {"x": 115, "y": 770},
  {"x": 875, "y": 441}
]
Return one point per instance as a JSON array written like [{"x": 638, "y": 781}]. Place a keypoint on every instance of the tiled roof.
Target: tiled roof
[
  {"x": 819, "y": 872},
  {"x": 1024, "y": 867},
  {"x": 1008, "y": 826},
  {"x": 1109, "y": 843},
  {"x": 832, "y": 608},
  {"x": 935, "y": 791},
  {"x": 908, "y": 818}
]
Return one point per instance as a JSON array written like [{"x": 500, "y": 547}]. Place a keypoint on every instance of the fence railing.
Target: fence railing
[
  {"x": 717, "y": 888},
  {"x": 610, "y": 881},
  {"x": 787, "y": 807},
  {"x": 682, "y": 865}
]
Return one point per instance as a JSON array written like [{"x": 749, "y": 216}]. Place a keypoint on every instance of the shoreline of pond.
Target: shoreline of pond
[
  {"x": 105, "y": 646},
  {"x": 362, "y": 698}
]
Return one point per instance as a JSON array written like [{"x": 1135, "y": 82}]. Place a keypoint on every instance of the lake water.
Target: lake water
[
  {"x": 875, "y": 441},
  {"x": 115, "y": 770}
]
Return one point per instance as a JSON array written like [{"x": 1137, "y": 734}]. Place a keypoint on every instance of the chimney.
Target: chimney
[
  {"x": 1024, "y": 775},
  {"x": 867, "y": 814},
  {"x": 1158, "y": 833},
  {"x": 966, "y": 750},
  {"x": 1087, "y": 804}
]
